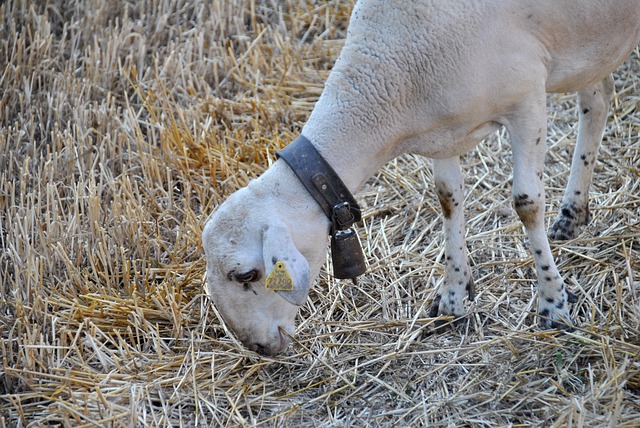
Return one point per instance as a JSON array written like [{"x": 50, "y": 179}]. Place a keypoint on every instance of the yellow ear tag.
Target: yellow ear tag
[{"x": 279, "y": 279}]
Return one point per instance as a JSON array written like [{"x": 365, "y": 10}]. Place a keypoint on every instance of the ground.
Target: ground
[{"x": 124, "y": 124}]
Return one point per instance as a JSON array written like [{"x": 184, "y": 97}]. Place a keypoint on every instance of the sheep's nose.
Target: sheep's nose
[
  {"x": 274, "y": 348},
  {"x": 267, "y": 350}
]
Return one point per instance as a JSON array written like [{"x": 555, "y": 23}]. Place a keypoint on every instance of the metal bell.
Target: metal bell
[{"x": 347, "y": 255}]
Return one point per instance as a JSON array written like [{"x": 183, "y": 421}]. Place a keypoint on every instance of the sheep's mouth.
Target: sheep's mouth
[{"x": 272, "y": 349}]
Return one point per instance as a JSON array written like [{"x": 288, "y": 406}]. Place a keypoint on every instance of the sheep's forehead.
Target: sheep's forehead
[
  {"x": 235, "y": 221},
  {"x": 235, "y": 235},
  {"x": 233, "y": 239}
]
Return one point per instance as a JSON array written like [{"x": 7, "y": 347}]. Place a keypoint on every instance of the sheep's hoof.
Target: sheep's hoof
[
  {"x": 555, "y": 319},
  {"x": 555, "y": 315},
  {"x": 562, "y": 324},
  {"x": 435, "y": 310},
  {"x": 442, "y": 325},
  {"x": 435, "y": 306},
  {"x": 570, "y": 220}
]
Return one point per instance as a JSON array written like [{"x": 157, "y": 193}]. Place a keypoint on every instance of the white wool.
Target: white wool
[{"x": 432, "y": 78}]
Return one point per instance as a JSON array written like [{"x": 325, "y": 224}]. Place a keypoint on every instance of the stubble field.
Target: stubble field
[{"x": 123, "y": 125}]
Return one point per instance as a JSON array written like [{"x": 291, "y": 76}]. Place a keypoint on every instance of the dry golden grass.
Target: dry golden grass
[{"x": 124, "y": 124}]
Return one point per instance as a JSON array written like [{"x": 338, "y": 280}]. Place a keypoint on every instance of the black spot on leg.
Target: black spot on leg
[
  {"x": 274, "y": 260},
  {"x": 538, "y": 140},
  {"x": 577, "y": 192},
  {"x": 566, "y": 212},
  {"x": 471, "y": 289},
  {"x": 550, "y": 300},
  {"x": 560, "y": 304},
  {"x": 538, "y": 252},
  {"x": 585, "y": 159},
  {"x": 544, "y": 313},
  {"x": 585, "y": 111},
  {"x": 457, "y": 269},
  {"x": 522, "y": 200},
  {"x": 548, "y": 278},
  {"x": 545, "y": 267}
]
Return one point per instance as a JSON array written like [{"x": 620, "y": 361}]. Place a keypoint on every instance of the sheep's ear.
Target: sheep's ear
[{"x": 280, "y": 253}]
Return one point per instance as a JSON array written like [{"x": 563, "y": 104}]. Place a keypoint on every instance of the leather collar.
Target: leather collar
[
  {"x": 320, "y": 180},
  {"x": 338, "y": 204}
]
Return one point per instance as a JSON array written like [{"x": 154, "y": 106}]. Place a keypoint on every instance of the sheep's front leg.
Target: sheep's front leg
[
  {"x": 527, "y": 129},
  {"x": 457, "y": 277},
  {"x": 593, "y": 106}
]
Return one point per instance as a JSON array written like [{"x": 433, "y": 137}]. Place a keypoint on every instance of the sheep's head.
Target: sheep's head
[{"x": 244, "y": 240}]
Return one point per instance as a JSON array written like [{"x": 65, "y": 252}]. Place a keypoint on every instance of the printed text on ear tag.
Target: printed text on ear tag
[{"x": 279, "y": 279}]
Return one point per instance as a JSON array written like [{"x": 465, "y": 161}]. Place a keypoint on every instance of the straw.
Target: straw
[{"x": 123, "y": 125}]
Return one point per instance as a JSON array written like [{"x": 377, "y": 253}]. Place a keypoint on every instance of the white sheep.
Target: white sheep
[{"x": 431, "y": 78}]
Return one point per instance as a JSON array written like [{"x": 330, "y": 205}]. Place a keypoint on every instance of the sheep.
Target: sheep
[{"x": 433, "y": 79}]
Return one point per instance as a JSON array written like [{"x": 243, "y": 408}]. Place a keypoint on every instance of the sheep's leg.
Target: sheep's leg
[
  {"x": 527, "y": 129},
  {"x": 593, "y": 106},
  {"x": 457, "y": 277}
]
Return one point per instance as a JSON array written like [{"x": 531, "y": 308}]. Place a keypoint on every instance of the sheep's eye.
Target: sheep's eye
[{"x": 252, "y": 276}]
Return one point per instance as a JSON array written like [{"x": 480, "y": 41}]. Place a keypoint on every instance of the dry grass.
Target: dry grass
[{"x": 124, "y": 124}]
